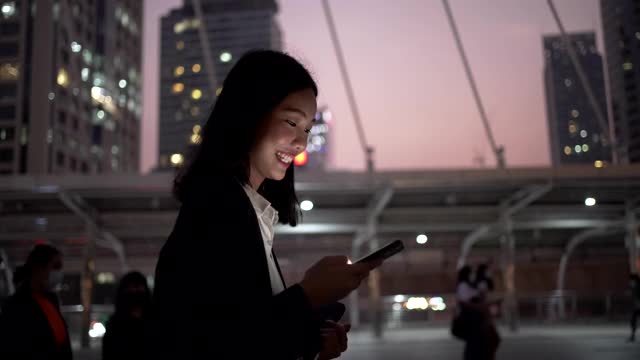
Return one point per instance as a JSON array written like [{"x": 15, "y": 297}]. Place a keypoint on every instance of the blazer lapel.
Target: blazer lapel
[{"x": 275, "y": 259}]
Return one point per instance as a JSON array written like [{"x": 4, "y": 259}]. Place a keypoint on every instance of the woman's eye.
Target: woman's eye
[
  {"x": 293, "y": 124},
  {"x": 307, "y": 131}
]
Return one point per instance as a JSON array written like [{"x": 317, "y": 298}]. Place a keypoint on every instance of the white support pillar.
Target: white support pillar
[
  {"x": 510, "y": 303},
  {"x": 576, "y": 240},
  {"x": 632, "y": 238},
  {"x": 87, "y": 284}
]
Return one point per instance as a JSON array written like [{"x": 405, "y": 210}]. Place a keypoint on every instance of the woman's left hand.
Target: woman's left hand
[{"x": 335, "y": 340}]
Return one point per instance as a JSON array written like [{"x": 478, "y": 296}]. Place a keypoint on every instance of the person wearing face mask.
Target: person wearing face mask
[
  {"x": 127, "y": 328},
  {"x": 31, "y": 325}
]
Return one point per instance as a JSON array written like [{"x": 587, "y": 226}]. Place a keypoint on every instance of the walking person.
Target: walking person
[
  {"x": 124, "y": 338},
  {"x": 472, "y": 319},
  {"x": 31, "y": 324}
]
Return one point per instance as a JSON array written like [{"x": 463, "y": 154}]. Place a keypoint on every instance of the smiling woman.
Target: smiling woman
[{"x": 218, "y": 265}]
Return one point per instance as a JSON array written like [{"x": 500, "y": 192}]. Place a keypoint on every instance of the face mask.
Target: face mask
[{"x": 55, "y": 279}]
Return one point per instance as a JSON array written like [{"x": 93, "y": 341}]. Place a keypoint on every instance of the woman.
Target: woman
[
  {"x": 126, "y": 330},
  {"x": 31, "y": 326},
  {"x": 483, "y": 282},
  {"x": 218, "y": 290},
  {"x": 475, "y": 317}
]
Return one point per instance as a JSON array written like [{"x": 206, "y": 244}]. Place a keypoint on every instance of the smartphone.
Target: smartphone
[{"x": 385, "y": 252}]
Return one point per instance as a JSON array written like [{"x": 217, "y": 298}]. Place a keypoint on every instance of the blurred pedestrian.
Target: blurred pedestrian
[
  {"x": 634, "y": 281},
  {"x": 472, "y": 322},
  {"x": 484, "y": 284},
  {"x": 219, "y": 292},
  {"x": 31, "y": 324},
  {"x": 127, "y": 328}
]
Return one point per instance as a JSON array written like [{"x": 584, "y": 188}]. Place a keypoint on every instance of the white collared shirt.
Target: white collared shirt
[{"x": 267, "y": 218}]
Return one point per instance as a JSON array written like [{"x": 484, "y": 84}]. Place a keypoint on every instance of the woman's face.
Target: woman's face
[{"x": 282, "y": 136}]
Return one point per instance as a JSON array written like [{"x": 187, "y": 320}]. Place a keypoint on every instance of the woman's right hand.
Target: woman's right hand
[{"x": 332, "y": 278}]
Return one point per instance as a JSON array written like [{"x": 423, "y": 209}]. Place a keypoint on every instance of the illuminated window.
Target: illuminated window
[
  {"x": 575, "y": 113},
  {"x": 84, "y": 73},
  {"x": 195, "y": 139},
  {"x": 164, "y": 160},
  {"x": 197, "y": 129},
  {"x": 583, "y": 133},
  {"x": 219, "y": 91},
  {"x": 177, "y": 88},
  {"x": 598, "y": 163},
  {"x": 567, "y": 82},
  {"x": 179, "y": 70},
  {"x": 177, "y": 159},
  {"x": 578, "y": 148},
  {"x": 196, "y": 68},
  {"x": 8, "y": 9},
  {"x": 180, "y": 45},
  {"x": 87, "y": 56},
  {"x": 196, "y": 94},
  {"x": 573, "y": 128},
  {"x": 567, "y": 150},
  {"x": 76, "y": 47},
  {"x": 627, "y": 66},
  {"x": 122, "y": 83},
  {"x": 185, "y": 24},
  {"x": 9, "y": 71},
  {"x": 585, "y": 148},
  {"x": 225, "y": 57},
  {"x": 638, "y": 35},
  {"x": 63, "y": 78}
]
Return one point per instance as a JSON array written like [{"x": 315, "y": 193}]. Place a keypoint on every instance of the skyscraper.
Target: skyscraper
[
  {"x": 621, "y": 28},
  {"x": 574, "y": 132},
  {"x": 232, "y": 28},
  {"x": 70, "y": 85}
]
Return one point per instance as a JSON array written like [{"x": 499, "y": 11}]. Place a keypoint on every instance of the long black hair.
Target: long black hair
[
  {"x": 256, "y": 84},
  {"x": 40, "y": 256},
  {"x": 464, "y": 275},
  {"x": 133, "y": 278},
  {"x": 482, "y": 276}
]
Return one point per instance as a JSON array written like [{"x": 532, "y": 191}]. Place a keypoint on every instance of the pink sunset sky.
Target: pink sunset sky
[{"x": 414, "y": 99}]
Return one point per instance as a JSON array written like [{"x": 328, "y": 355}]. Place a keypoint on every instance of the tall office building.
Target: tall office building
[
  {"x": 621, "y": 28},
  {"x": 70, "y": 98},
  {"x": 574, "y": 132},
  {"x": 232, "y": 28}
]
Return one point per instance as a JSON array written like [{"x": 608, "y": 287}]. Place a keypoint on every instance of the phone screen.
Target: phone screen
[{"x": 385, "y": 252}]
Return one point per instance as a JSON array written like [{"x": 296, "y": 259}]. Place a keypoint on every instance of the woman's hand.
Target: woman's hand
[
  {"x": 334, "y": 340},
  {"x": 332, "y": 278}
]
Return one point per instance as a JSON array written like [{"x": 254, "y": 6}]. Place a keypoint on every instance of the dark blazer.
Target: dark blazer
[
  {"x": 25, "y": 332},
  {"x": 213, "y": 297}
]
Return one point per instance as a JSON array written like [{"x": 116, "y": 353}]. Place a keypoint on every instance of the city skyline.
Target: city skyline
[{"x": 416, "y": 83}]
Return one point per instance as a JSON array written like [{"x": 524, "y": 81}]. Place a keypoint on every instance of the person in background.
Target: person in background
[
  {"x": 634, "y": 282},
  {"x": 483, "y": 282},
  {"x": 31, "y": 324},
  {"x": 474, "y": 318},
  {"x": 127, "y": 328}
]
